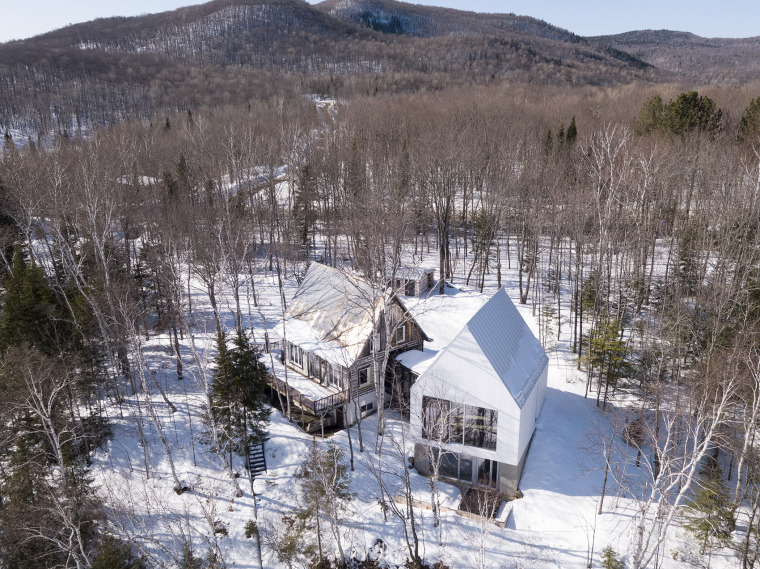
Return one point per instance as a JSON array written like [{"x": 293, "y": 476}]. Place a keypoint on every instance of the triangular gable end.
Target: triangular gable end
[{"x": 508, "y": 344}]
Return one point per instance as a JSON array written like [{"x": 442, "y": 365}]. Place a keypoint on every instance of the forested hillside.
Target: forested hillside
[
  {"x": 627, "y": 220},
  {"x": 704, "y": 60},
  {"x": 238, "y": 51}
]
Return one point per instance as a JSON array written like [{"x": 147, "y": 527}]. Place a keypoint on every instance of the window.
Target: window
[
  {"x": 488, "y": 472},
  {"x": 435, "y": 419},
  {"x": 480, "y": 427},
  {"x": 336, "y": 376},
  {"x": 365, "y": 376},
  {"x": 454, "y": 465},
  {"x": 373, "y": 344},
  {"x": 453, "y": 423},
  {"x": 399, "y": 334},
  {"x": 296, "y": 355},
  {"x": 367, "y": 407},
  {"x": 449, "y": 465},
  {"x": 319, "y": 369}
]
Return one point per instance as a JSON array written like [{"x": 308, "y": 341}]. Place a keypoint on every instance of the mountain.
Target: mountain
[
  {"x": 235, "y": 51},
  {"x": 427, "y": 21},
  {"x": 706, "y": 60}
]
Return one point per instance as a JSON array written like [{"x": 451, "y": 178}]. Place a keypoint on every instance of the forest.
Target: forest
[{"x": 628, "y": 215}]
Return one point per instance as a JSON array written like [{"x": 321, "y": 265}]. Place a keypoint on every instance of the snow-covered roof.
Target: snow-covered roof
[
  {"x": 442, "y": 316},
  {"x": 415, "y": 273},
  {"x": 332, "y": 312},
  {"x": 508, "y": 344},
  {"x": 498, "y": 342}
]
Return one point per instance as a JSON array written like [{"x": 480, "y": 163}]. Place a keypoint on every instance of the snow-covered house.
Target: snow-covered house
[
  {"x": 334, "y": 334},
  {"x": 474, "y": 408}
]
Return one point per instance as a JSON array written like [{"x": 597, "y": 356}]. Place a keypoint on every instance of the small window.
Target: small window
[
  {"x": 365, "y": 376},
  {"x": 296, "y": 355},
  {"x": 367, "y": 407},
  {"x": 336, "y": 376},
  {"x": 399, "y": 334}
]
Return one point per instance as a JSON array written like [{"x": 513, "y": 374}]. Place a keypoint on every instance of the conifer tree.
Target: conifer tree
[
  {"x": 29, "y": 307},
  {"x": 572, "y": 132},
  {"x": 608, "y": 354},
  {"x": 749, "y": 126},
  {"x": 610, "y": 559},
  {"x": 709, "y": 516},
  {"x": 237, "y": 394},
  {"x": 548, "y": 141}
]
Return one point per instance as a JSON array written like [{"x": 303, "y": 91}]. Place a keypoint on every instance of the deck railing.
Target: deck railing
[{"x": 322, "y": 405}]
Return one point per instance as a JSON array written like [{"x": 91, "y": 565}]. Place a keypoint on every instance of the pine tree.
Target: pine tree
[
  {"x": 572, "y": 132},
  {"x": 189, "y": 560},
  {"x": 548, "y": 141},
  {"x": 709, "y": 516},
  {"x": 29, "y": 308},
  {"x": 237, "y": 394},
  {"x": 749, "y": 126},
  {"x": 115, "y": 554},
  {"x": 610, "y": 559},
  {"x": 650, "y": 115},
  {"x": 608, "y": 354}
]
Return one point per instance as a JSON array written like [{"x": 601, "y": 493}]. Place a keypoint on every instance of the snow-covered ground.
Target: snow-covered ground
[{"x": 553, "y": 525}]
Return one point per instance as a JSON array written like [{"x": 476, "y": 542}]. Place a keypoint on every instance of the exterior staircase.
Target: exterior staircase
[{"x": 256, "y": 462}]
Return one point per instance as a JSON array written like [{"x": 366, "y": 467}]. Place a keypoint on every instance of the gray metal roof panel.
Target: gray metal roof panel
[{"x": 508, "y": 344}]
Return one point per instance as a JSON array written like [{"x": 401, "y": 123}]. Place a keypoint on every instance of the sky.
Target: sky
[{"x": 731, "y": 18}]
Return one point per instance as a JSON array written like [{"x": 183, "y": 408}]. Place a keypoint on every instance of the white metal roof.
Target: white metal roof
[
  {"x": 334, "y": 309},
  {"x": 510, "y": 347},
  {"x": 496, "y": 341}
]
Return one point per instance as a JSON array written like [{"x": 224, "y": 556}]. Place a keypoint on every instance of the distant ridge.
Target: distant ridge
[
  {"x": 707, "y": 60},
  {"x": 232, "y": 51}
]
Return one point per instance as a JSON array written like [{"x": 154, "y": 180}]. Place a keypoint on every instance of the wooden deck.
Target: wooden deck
[{"x": 312, "y": 410}]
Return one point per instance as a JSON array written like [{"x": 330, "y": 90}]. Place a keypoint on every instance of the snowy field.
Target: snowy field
[{"x": 555, "y": 523}]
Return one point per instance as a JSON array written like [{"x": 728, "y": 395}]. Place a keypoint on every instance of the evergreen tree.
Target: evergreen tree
[
  {"x": 687, "y": 112},
  {"x": 650, "y": 115},
  {"x": 608, "y": 355},
  {"x": 572, "y": 132},
  {"x": 749, "y": 126},
  {"x": 690, "y": 111},
  {"x": 237, "y": 394},
  {"x": 709, "y": 515},
  {"x": 189, "y": 560},
  {"x": 30, "y": 312},
  {"x": 610, "y": 559},
  {"x": 548, "y": 141},
  {"x": 115, "y": 554}
]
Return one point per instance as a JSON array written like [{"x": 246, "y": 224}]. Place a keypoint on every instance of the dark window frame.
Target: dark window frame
[{"x": 454, "y": 423}]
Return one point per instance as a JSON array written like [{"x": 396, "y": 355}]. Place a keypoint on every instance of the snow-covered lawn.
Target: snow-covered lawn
[{"x": 553, "y": 525}]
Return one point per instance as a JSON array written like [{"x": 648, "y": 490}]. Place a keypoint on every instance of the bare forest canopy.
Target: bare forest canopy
[
  {"x": 718, "y": 61},
  {"x": 236, "y": 51},
  {"x": 654, "y": 230}
]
